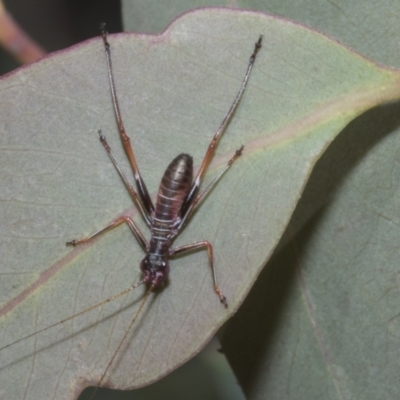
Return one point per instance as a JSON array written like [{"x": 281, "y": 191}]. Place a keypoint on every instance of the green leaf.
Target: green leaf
[
  {"x": 58, "y": 184},
  {"x": 322, "y": 321},
  {"x": 370, "y": 30},
  {"x": 152, "y": 16},
  {"x": 347, "y": 338}
]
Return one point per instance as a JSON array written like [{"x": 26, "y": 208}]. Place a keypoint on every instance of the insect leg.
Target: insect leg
[
  {"x": 138, "y": 235},
  {"x": 199, "y": 245},
  {"x": 211, "y": 147},
  {"x": 137, "y": 199},
  {"x": 141, "y": 186},
  {"x": 191, "y": 207}
]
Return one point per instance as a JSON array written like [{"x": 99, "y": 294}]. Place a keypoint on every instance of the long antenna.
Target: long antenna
[
  {"x": 122, "y": 341},
  {"x": 75, "y": 315}
]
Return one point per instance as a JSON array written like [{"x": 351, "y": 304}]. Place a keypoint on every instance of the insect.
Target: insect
[{"x": 178, "y": 197}]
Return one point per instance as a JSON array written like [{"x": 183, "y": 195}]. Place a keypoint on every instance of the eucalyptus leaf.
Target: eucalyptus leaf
[
  {"x": 369, "y": 30},
  {"x": 58, "y": 184},
  {"x": 322, "y": 320}
]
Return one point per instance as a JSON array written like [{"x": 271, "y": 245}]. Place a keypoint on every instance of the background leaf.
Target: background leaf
[
  {"x": 286, "y": 123},
  {"x": 369, "y": 30},
  {"x": 312, "y": 305}
]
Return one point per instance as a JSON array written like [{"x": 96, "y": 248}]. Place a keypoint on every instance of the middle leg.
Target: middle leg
[
  {"x": 191, "y": 207},
  {"x": 138, "y": 200}
]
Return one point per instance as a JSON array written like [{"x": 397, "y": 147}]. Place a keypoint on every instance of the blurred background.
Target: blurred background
[{"x": 57, "y": 24}]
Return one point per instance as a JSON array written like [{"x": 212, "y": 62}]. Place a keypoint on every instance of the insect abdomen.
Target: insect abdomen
[{"x": 174, "y": 187}]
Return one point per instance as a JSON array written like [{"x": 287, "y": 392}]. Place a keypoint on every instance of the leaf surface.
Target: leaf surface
[
  {"x": 319, "y": 302},
  {"x": 58, "y": 184}
]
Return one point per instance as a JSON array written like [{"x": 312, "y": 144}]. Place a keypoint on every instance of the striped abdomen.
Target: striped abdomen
[{"x": 174, "y": 187}]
